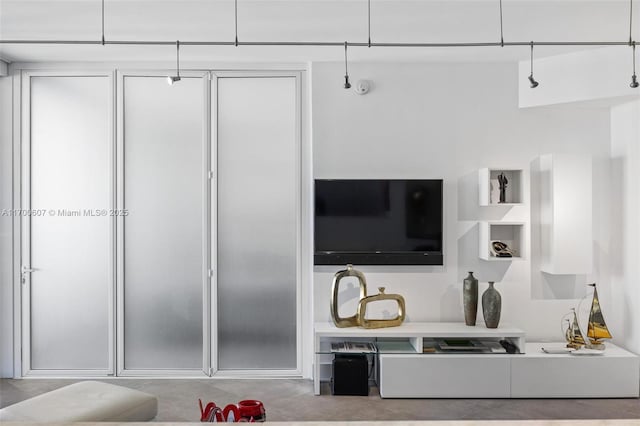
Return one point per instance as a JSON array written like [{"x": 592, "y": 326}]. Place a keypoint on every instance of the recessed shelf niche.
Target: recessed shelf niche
[
  {"x": 510, "y": 233},
  {"x": 489, "y": 187}
]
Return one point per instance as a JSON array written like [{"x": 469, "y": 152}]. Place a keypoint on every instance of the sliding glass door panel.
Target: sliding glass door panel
[
  {"x": 164, "y": 178},
  {"x": 70, "y": 233},
  {"x": 257, "y": 213}
]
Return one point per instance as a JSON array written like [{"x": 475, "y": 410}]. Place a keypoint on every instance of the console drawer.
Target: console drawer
[
  {"x": 567, "y": 376},
  {"x": 444, "y": 376}
]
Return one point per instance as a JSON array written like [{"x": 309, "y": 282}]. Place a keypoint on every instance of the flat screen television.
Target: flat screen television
[{"x": 378, "y": 222}]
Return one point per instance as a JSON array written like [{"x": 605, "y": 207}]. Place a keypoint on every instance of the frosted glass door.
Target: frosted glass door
[
  {"x": 164, "y": 178},
  {"x": 69, "y": 242},
  {"x": 257, "y": 205}
]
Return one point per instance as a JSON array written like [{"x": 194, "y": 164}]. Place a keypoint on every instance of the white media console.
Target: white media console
[{"x": 404, "y": 371}]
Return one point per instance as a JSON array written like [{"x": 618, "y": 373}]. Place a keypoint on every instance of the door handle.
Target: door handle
[{"x": 26, "y": 270}]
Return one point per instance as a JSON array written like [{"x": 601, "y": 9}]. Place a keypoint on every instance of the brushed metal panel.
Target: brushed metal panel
[
  {"x": 70, "y": 161},
  {"x": 163, "y": 233},
  {"x": 257, "y": 223}
]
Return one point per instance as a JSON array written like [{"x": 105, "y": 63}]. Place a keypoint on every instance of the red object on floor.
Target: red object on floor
[
  {"x": 207, "y": 413},
  {"x": 252, "y": 409},
  {"x": 249, "y": 410}
]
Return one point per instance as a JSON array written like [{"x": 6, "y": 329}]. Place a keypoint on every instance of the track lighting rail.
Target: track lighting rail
[
  {"x": 346, "y": 44},
  {"x": 317, "y": 43}
]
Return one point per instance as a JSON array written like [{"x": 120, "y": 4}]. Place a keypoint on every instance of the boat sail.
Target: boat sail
[
  {"x": 597, "y": 328},
  {"x": 574, "y": 334}
]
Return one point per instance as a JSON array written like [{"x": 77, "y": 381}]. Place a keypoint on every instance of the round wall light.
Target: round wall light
[{"x": 362, "y": 87}]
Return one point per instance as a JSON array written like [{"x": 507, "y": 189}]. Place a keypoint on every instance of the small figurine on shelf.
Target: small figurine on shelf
[
  {"x": 503, "y": 181},
  {"x": 501, "y": 249}
]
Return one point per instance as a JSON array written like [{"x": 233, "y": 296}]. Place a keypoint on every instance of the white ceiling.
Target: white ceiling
[{"x": 308, "y": 20}]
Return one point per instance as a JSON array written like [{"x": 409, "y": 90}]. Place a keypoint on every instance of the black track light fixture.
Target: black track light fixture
[
  {"x": 533, "y": 82},
  {"x": 347, "y": 85},
  {"x": 236, "y": 21},
  {"x": 634, "y": 79},
  {"x": 369, "y": 21},
  {"x": 501, "y": 28},
  {"x": 102, "y": 16},
  {"x": 175, "y": 78}
]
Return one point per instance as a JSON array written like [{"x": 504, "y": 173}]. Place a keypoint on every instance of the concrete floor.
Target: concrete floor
[{"x": 293, "y": 400}]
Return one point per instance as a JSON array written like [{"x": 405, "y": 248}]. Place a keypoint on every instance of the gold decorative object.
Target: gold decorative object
[
  {"x": 573, "y": 334},
  {"x": 380, "y": 323},
  {"x": 351, "y": 321},
  {"x": 596, "y": 328}
]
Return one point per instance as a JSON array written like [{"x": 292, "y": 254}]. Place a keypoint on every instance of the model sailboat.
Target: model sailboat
[
  {"x": 596, "y": 327},
  {"x": 574, "y": 334}
]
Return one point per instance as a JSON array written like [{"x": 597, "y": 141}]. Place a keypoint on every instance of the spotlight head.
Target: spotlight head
[
  {"x": 534, "y": 83},
  {"x": 347, "y": 85},
  {"x": 172, "y": 79},
  {"x": 634, "y": 82}
]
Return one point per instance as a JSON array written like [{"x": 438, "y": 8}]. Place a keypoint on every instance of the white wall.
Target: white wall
[
  {"x": 6, "y": 288},
  {"x": 588, "y": 75},
  {"x": 625, "y": 178},
  {"x": 441, "y": 121},
  {"x": 602, "y": 77},
  {"x": 446, "y": 121}
]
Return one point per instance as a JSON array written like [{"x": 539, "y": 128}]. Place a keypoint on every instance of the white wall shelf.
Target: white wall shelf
[
  {"x": 510, "y": 233},
  {"x": 489, "y": 188}
]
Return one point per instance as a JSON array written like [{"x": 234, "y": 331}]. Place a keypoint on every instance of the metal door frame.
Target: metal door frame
[
  {"x": 215, "y": 77},
  {"x": 21, "y": 176},
  {"x": 206, "y": 280},
  {"x": 24, "y": 260}
]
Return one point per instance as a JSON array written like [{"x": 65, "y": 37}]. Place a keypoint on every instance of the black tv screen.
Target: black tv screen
[{"x": 378, "y": 222}]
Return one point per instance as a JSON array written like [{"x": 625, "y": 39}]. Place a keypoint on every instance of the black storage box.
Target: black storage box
[{"x": 350, "y": 375}]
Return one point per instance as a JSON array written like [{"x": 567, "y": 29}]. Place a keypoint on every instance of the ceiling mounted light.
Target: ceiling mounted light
[
  {"x": 173, "y": 79},
  {"x": 369, "y": 21},
  {"x": 236, "y": 21},
  {"x": 102, "y": 22},
  {"x": 634, "y": 79},
  {"x": 501, "y": 29},
  {"x": 347, "y": 85},
  {"x": 630, "y": 22},
  {"x": 533, "y": 82}
]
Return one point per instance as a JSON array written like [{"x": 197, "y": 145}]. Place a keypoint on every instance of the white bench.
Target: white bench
[{"x": 84, "y": 402}]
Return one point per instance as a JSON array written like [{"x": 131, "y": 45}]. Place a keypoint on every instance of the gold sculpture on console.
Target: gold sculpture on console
[
  {"x": 352, "y": 321},
  {"x": 381, "y": 323},
  {"x": 359, "y": 319}
]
